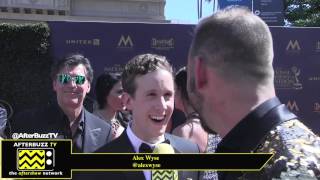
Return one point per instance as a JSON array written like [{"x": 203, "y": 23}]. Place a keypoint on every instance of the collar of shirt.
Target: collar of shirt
[
  {"x": 76, "y": 126},
  {"x": 136, "y": 141},
  {"x": 240, "y": 138}
]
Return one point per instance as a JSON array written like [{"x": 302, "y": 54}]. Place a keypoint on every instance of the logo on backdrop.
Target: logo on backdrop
[
  {"x": 293, "y": 46},
  {"x": 318, "y": 46},
  {"x": 116, "y": 68},
  {"x": 314, "y": 78},
  {"x": 316, "y": 107},
  {"x": 125, "y": 42},
  {"x": 293, "y": 106},
  {"x": 257, "y": 12},
  {"x": 162, "y": 44},
  {"x": 288, "y": 78},
  {"x": 296, "y": 73},
  {"x": 84, "y": 42}
]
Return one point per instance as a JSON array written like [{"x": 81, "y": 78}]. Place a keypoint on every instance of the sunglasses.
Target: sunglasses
[{"x": 66, "y": 78}]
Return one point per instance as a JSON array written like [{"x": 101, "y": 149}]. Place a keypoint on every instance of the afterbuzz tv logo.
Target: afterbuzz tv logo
[
  {"x": 84, "y": 42},
  {"x": 125, "y": 42},
  {"x": 288, "y": 78},
  {"x": 34, "y": 159},
  {"x": 162, "y": 44},
  {"x": 293, "y": 106},
  {"x": 293, "y": 46}
]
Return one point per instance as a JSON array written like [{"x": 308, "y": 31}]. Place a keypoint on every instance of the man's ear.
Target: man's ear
[
  {"x": 127, "y": 100},
  {"x": 54, "y": 85},
  {"x": 201, "y": 73},
  {"x": 89, "y": 87}
]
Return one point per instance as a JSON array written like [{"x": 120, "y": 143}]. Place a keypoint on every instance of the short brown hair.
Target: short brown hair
[
  {"x": 141, "y": 65},
  {"x": 72, "y": 60},
  {"x": 236, "y": 43}
]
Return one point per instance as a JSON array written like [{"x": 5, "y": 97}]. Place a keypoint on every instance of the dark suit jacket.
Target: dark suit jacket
[
  {"x": 49, "y": 119},
  {"x": 271, "y": 127},
  {"x": 123, "y": 145}
]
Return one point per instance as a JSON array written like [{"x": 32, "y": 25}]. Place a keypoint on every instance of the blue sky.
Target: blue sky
[{"x": 185, "y": 11}]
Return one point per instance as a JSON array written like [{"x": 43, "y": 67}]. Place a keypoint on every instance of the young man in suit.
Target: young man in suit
[
  {"x": 148, "y": 87},
  {"x": 231, "y": 85},
  {"x": 71, "y": 79}
]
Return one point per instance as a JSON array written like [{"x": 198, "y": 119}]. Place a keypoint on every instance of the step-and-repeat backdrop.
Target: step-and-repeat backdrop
[{"x": 110, "y": 45}]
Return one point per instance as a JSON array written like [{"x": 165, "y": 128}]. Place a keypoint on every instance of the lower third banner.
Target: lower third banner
[{"x": 53, "y": 159}]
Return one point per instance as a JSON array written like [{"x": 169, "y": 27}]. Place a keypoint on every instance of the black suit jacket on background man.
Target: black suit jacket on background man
[
  {"x": 123, "y": 145},
  {"x": 51, "y": 119}
]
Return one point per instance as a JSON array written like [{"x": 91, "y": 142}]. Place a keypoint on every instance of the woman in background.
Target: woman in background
[
  {"x": 108, "y": 92},
  {"x": 192, "y": 128}
]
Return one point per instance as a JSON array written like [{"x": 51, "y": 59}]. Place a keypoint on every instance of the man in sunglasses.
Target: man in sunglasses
[{"x": 72, "y": 77}]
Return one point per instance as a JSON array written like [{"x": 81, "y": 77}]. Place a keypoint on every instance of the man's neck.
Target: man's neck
[
  {"x": 72, "y": 113},
  {"x": 236, "y": 110},
  {"x": 151, "y": 140},
  {"x": 107, "y": 113},
  {"x": 188, "y": 110}
]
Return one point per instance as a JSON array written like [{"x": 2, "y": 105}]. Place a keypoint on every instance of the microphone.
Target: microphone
[{"x": 164, "y": 148}]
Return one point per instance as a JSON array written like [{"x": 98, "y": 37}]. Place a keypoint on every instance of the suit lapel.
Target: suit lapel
[
  {"x": 125, "y": 145},
  {"x": 173, "y": 143},
  {"x": 181, "y": 174},
  {"x": 92, "y": 135}
]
